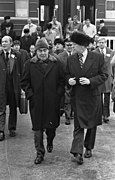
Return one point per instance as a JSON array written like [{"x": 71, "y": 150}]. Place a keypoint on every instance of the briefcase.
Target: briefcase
[{"x": 23, "y": 108}]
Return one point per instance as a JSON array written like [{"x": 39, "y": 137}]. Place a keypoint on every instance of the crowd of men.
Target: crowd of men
[{"x": 66, "y": 73}]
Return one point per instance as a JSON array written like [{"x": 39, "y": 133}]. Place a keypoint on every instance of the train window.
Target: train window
[
  {"x": 21, "y": 8},
  {"x": 110, "y": 8}
]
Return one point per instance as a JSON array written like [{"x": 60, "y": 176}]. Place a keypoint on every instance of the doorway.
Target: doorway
[
  {"x": 88, "y": 10},
  {"x": 46, "y": 10}
]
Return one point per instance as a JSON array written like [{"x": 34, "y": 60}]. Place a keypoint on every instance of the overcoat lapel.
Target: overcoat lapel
[
  {"x": 88, "y": 63},
  {"x": 39, "y": 67},
  {"x": 49, "y": 67},
  {"x": 76, "y": 65}
]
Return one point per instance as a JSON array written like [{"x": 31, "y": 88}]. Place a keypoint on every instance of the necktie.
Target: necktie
[
  {"x": 7, "y": 56},
  {"x": 8, "y": 62},
  {"x": 102, "y": 52},
  {"x": 80, "y": 60}
]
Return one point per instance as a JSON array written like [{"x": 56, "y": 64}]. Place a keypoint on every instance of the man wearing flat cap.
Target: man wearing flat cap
[
  {"x": 85, "y": 72},
  {"x": 43, "y": 82}
]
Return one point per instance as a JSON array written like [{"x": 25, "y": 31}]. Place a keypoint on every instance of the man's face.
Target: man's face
[
  {"x": 26, "y": 34},
  {"x": 32, "y": 48},
  {"x": 7, "y": 20},
  {"x": 58, "y": 46},
  {"x": 17, "y": 47},
  {"x": 6, "y": 43},
  {"x": 69, "y": 20},
  {"x": 29, "y": 21},
  {"x": 42, "y": 53},
  {"x": 75, "y": 19},
  {"x": 54, "y": 19},
  {"x": 69, "y": 46},
  {"x": 87, "y": 22},
  {"x": 77, "y": 48},
  {"x": 102, "y": 43}
]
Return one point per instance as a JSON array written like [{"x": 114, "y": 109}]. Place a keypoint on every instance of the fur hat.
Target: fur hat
[
  {"x": 6, "y": 17},
  {"x": 80, "y": 39},
  {"x": 42, "y": 43},
  {"x": 26, "y": 30},
  {"x": 59, "y": 41},
  {"x": 101, "y": 21}
]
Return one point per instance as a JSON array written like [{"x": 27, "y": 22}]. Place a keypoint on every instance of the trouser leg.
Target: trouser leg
[
  {"x": 2, "y": 121},
  {"x": 67, "y": 109},
  {"x": 90, "y": 138},
  {"x": 106, "y": 104},
  {"x": 78, "y": 141},
  {"x": 51, "y": 133},
  {"x": 12, "y": 112},
  {"x": 38, "y": 141}
]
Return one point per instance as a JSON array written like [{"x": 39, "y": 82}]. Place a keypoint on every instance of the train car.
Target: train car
[{"x": 41, "y": 12}]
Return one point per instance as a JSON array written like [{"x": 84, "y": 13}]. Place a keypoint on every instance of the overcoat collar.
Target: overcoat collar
[{"x": 51, "y": 63}]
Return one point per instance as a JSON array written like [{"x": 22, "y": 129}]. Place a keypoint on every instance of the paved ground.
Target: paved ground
[{"x": 17, "y": 155}]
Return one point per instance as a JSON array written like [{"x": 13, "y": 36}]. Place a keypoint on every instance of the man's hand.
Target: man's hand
[
  {"x": 84, "y": 81},
  {"x": 72, "y": 81}
]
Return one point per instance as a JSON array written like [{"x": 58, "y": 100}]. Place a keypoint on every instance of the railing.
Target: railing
[{"x": 110, "y": 41}]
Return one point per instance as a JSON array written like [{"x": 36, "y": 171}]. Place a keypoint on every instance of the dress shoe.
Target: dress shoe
[
  {"x": 49, "y": 148},
  {"x": 2, "y": 136},
  {"x": 67, "y": 122},
  {"x": 12, "y": 133},
  {"x": 105, "y": 119},
  {"x": 78, "y": 158},
  {"x": 88, "y": 153},
  {"x": 38, "y": 159}
]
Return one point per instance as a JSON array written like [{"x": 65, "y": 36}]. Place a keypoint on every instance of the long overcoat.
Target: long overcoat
[
  {"x": 15, "y": 68},
  {"x": 86, "y": 99},
  {"x": 107, "y": 85},
  {"x": 43, "y": 90}
]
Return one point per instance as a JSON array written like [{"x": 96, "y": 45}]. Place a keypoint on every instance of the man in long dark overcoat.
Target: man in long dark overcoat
[
  {"x": 85, "y": 72},
  {"x": 10, "y": 75},
  {"x": 43, "y": 82}
]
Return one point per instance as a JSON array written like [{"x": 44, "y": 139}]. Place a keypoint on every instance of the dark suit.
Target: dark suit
[
  {"x": 26, "y": 42},
  {"x": 66, "y": 105},
  {"x": 86, "y": 99},
  {"x": 105, "y": 88},
  {"x": 3, "y": 25},
  {"x": 11, "y": 33},
  {"x": 44, "y": 97},
  {"x": 103, "y": 31},
  {"x": 9, "y": 88}
]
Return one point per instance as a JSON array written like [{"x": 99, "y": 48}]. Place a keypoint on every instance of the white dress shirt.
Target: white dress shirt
[{"x": 84, "y": 55}]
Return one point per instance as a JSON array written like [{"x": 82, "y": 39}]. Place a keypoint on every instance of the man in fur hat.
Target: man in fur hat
[
  {"x": 85, "y": 72},
  {"x": 43, "y": 82}
]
